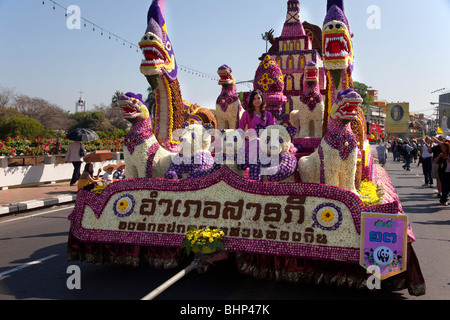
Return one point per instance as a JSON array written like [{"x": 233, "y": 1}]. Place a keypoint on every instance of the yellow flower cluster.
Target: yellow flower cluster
[
  {"x": 204, "y": 235},
  {"x": 201, "y": 239},
  {"x": 370, "y": 193},
  {"x": 98, "y": 189}
]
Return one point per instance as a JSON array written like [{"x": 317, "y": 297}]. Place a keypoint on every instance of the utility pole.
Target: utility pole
[
  {"x": 436, "y": 117},
  {"x": 265, "y": 37}
]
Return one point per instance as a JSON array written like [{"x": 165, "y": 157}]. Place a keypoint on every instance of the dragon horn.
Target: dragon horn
[
  {"x": 155, "y": 17},
  {"x": 339, "y": 3}
]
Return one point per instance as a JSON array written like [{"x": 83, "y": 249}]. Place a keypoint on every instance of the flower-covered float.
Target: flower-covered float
[{"x": 301, "y": 223}]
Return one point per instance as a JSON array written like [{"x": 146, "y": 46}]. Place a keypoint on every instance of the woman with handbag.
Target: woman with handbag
[
  {"x": 87, "y": 180},
  {"x": 75, "y": 154}
]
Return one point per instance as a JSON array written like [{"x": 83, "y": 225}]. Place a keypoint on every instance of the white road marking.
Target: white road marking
[
  {"x": 27, "y": 265},
  {"x": 35, "y": 215}
]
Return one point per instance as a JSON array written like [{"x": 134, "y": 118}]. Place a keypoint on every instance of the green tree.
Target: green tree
[
  {"x": 94, "y": 120},
  {"x": 115, "y": 98},
  {"x": 7, "y": 112},
  {"x": 113, "y": 115},
  {"x": 21, "y": 126},
  {"x": 361, "y": 89}
]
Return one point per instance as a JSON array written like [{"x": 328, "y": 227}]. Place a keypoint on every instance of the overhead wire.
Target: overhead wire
[{"x": 111, "y": 34}]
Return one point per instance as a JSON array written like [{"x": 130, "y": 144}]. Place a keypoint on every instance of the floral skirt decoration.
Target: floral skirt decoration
[
  {"x": 259, "y": 266},
  {"x": 124, "y": 254},
  {"x": 328, "y": 273}
]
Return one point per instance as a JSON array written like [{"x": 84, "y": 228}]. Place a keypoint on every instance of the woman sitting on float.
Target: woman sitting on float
[{"x": 254, "y": 115}]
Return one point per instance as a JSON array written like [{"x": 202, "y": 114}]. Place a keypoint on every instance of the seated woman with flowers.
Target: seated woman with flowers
[{"x": 87, "y": 180}]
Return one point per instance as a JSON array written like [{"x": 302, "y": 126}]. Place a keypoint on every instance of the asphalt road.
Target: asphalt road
[{"x": 33, "y": 262}]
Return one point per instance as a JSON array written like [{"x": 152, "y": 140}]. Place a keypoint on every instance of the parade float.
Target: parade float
[{"x": 309, "y": 208}]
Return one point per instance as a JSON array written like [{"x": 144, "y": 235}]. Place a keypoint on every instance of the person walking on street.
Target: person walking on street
[
  {"x": 407, "y": 154},
  {"x": 435, "y": 151},
  {"x": 414, "y": 152},
  {"x": 443, "y": 163},
  {"x": 382, "y": 154},
  {"x": 395, "y": 151},
  {"x": 427, "y": 163},
  {"x": 75, "y": 155}
]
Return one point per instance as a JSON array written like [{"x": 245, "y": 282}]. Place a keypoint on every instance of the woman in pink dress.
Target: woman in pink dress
[{"x": 254, "y": 115}]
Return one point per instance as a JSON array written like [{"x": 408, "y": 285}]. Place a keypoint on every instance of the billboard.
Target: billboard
[{"x": 397, "y": 117}]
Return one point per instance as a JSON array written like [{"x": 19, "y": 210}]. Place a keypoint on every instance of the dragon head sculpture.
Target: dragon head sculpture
[
  {"x": 345, "y": 105},
  {"x": 133, "y": 106},
  {"x": 159, "y": 57},
  {"x": 311, "y": 73},
  {"x": 336, "y": 40},
  {"x": 226, "y": 76}
]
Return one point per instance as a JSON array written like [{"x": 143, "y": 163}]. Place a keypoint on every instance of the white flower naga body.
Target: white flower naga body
[
  {"x": 334, "y": 162},
  {"x": 143, "y": 155},
  {"x": 308, "y": 116}
]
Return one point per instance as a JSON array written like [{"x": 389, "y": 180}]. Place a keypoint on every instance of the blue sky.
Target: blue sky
[{"x": 405, "y": 58}]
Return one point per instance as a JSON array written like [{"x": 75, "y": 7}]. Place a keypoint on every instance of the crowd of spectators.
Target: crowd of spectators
[{"x": 430, "y": 152}]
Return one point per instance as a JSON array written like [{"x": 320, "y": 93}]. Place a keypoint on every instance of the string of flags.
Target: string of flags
[{"x": 125, "y": 42}]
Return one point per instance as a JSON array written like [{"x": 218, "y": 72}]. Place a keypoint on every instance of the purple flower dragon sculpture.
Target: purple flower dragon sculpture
[
  {"x": 143, "y": 155},
  {"x": 228, "y": 106},
  {"x": 334, "y": 162}
]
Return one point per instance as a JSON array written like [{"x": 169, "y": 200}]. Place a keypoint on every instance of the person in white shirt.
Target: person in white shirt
[
  {"x": 427, "y": 163},
  {"x": 108, "y": 175}
]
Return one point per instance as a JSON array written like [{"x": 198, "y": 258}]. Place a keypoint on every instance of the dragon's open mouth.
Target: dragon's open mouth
[
  {"x": 129, "y": 109},
  {"x": 347, "y": 110},
  {"x": 336, "y": 46},
  {"x": 225, "y": 77},
  {"x": 311, "y": 74},
  {"x": 154, "y": 56}
]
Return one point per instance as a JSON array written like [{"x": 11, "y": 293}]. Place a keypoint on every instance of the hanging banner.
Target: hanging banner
[
  {"x": 397, "y": 118},
  {"x": 383, "y": 243}
]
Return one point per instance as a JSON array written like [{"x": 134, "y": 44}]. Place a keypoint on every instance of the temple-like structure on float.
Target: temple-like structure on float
[
  {"x": 293, "y": 50},
  {"x": 298, "y": 210}
]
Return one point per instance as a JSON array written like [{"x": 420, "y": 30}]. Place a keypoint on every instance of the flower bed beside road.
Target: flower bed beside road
[{"x": 22, "y": 146}]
